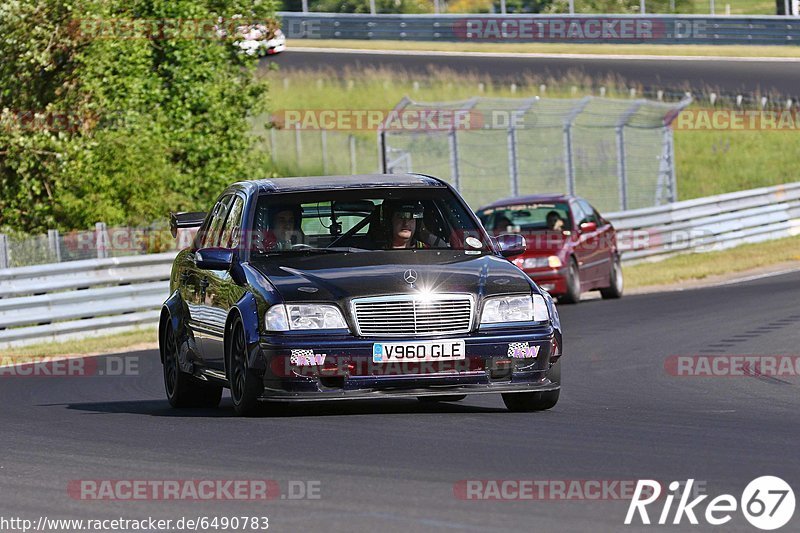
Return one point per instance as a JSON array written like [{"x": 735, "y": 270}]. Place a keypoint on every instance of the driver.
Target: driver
[
  {"x": 405, "y": 227},
  {"x": 284, "y": 226},
  {"x": 554, "y": 221}
]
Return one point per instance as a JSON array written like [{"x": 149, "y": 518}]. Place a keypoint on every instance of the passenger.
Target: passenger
[
  {"x": 404, "y": 226},
  {"x": 554, "y": 221}
]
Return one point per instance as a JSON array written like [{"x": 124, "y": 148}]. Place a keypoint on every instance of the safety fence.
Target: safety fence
[
  {"x": 618, "y": 154},
  {"x": 53, "y": 302},
  {"x": 616, "y": 29}
]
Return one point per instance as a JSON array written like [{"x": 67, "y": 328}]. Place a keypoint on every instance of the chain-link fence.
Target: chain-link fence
[
  {"x": 616, "y": 153},
  {"x": 101, "y": 243}
]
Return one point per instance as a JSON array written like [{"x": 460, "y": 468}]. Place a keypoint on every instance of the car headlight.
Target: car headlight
[
  {"x": 501, "y": 309},
  {"x": 542, "y": 262},
  {"x": 285, "y": 317}
]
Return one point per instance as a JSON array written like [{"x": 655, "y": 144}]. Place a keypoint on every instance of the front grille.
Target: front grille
[{"x": 413, "y": 315}]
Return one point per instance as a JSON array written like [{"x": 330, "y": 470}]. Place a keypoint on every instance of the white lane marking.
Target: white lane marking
[{"x": 523, "y": 55}]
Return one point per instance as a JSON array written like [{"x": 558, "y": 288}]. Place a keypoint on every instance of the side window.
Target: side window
[
  {"x": 588, "y": 213},
  {"x": 231, "y": 235},
  {"x": 211, "y": 237}
]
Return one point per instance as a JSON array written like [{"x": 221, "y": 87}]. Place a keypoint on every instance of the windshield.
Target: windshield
[
  {"x": 364, "y": 220},
  {"x": 525, "y": 218}
]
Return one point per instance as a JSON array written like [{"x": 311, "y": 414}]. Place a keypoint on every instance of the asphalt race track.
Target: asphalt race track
[
  {"x": 391, "y": 466},
  {"x": 728, "y": 77}
]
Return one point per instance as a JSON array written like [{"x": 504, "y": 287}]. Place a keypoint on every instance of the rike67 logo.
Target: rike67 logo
[{"x": 767, "y": 503}]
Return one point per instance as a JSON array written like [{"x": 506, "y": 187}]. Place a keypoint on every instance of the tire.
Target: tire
[
  {"x": 526, "y": 402},
  {"x": 246, "y": 385},
  {"x": 617, "y": 283},
  {"x": 443, "y": 398},
  {"x": 182, "y": 389},
  {"x": 573, "y": 294}
]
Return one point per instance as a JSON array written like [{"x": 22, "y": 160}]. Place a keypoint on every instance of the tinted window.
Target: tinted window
[
  {"x": 231, "y": 235},
  {"x": 218, "y": 215},
  {"x": 366, "y": 219},
  {"x": 589, "y": 214}
]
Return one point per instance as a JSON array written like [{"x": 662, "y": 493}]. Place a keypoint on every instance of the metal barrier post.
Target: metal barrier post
[
  {"x": 298, "y": 148},
  {"x": 352, "y": 142},
  {"x": 512, "y": 160},
  {"x": 454, "y": 174},
  {"x": 4, "y": 259},
  {"x": 673, "y": 181},
  {"x": 622, "y": 169},
  {"x": 101, "y": 240},
  {"x": 324, "y": 140},
  {"x": 569, "y": 165},
  {"x": 54, "y": 241}
]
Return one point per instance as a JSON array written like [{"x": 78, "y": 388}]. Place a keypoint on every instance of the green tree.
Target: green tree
[{"x": 102, "y": 120}]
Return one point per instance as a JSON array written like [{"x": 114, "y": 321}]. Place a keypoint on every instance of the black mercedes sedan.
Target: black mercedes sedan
[{"x": 353, "y": 287}]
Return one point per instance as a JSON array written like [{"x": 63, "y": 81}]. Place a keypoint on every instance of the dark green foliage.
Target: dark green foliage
[{"x": 103, "y": 125}]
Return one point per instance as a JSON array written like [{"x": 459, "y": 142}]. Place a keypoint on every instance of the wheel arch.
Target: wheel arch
[
  {"x": 245, "y": 311},
  {"x": 170, "y": 314}
]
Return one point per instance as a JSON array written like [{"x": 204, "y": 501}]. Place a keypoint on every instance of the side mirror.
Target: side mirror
[
  {"x": 214, "y": 258},
  {"x": 511, "y": 244},
  {"x": 588, "y": 227}
]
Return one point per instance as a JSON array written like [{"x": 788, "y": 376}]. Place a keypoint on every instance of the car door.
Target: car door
[
  {"x": 204, "y": 321},
  {"x": 221, "y": 291},
  {"x": 581, "y": 249},
  {"x": 596, "y": 256}
]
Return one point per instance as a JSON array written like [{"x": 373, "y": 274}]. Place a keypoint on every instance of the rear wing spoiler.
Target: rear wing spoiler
[{"x": 185, "y": 220}]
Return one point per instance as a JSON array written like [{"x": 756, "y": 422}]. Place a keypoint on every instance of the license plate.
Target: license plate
[{"x": 391, "y": 352}]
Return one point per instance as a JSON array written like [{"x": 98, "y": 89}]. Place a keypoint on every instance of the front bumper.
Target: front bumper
[
  {"x": 553, "y": 281},
  {"x": 343, "y": 367}
]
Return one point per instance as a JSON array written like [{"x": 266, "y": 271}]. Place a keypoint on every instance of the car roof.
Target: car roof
[
  {"x": 531, "y": 199},
  {"x": 322, "y": 183}
]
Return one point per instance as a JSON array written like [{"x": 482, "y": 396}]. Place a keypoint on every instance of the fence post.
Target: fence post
[
  {"x": 454, "y": 173},
  {"x": 569, "y": 165},
  {"x": 4, "y": 259},
  {"x": 352, "y": 141},
  {"x": 54, "y": 241},
  {"x": 569, "y": 156},
  {"x": 101, "y": 240},
  {"x": 324, "y": 141},
  {"x": 382, "y": 162},
  {"x": 512, "y": 160},
  {"x": 673, "y": 180},
  {"x": 298, "y": 148},
  {"x": 622, "y": 169},
  {"x": 272, "y": 144}
]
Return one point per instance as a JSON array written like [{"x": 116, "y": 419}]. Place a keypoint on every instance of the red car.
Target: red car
[{"x": 571, "y": 248}]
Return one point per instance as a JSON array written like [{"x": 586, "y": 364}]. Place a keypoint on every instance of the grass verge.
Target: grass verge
[
  {"x": 699, "y": 266},
  {"x": 119, "y": 342},
  {"x": 558, "y": 48}
]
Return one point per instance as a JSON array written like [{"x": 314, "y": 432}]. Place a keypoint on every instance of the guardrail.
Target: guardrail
[
  {"x": 707, "y": 224},
  {"x": 53, "y": 302},
  {"x": 619, "y": 29},
  {"x": 46, "y": 303}
]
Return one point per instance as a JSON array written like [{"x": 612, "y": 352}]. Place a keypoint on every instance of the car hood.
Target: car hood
[{"x": 342, "y": 276}]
